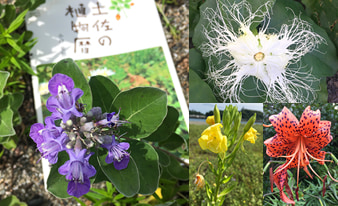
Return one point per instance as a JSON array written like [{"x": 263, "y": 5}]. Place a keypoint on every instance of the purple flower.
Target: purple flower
[
  {"x": 117, "y": 153},
  {"x": 50, "y": 140},
  {"x": 112, "y": 120},
  {"x": 78, "y": 170},
  {"x": 64, "y": 96}
]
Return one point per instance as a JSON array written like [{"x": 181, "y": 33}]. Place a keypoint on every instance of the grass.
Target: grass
[{"x": 247, "y": 169}]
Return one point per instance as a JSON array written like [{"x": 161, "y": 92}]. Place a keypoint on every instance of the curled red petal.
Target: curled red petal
[
  {"x": 285, "y": 124},
  {"x": 280, "y": 179},
  {"x": 309, "y": 122}
]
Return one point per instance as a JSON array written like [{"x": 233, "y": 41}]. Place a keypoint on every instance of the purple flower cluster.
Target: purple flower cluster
[{"x": 77, "y": 134}]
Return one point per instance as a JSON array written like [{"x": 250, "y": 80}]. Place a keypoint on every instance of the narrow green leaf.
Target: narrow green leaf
[
  {"x": 146, "y": 160},
  {"x": 104, "y": 92},
  {"x": 226, "y": 190},
  {"x": 126, "y": 181},
  {"x": 144, "y": 107},
  {"x": 70, "y": 68},
  {"x": 167, "y": 127},
  {"x": 15, "y": 62},
  {"x": 17, "y": 22}
]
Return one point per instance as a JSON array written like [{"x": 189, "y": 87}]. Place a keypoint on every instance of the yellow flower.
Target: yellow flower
[
  {"x": 251, "y": 135},
  {"x": 210, "y": 120},
  {"x": 199, "y": 181},
  {"x": 213, "y": 140}
]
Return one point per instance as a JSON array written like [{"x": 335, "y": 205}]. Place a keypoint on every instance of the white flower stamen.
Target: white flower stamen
[{"x": 273, "y": 58}]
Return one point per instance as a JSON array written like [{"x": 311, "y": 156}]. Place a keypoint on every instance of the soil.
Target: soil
[{"x": 20, "y": 169}]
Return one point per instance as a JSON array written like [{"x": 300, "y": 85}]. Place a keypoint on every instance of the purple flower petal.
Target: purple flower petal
[
  {"x": 120, "y": 165},
  {"x": 35, "y": 133},
  {"x": 77, "y": 189},
  {"x": 59, "y": 80},
  {"x": 124, "y": 145}
]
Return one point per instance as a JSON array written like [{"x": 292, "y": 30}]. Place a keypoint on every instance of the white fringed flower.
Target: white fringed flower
[{"x": 272, "y": 57}]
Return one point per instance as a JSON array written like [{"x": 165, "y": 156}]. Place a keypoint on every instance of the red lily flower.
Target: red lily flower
[{"x": 298, "y": 142}]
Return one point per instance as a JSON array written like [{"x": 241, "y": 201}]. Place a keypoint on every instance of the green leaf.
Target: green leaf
[
  {"x": 15, "y": 46},
  {"x": 11, "y": 143},
  {"x": 6, "y": 121},
  {"x": 176, "y": 170},
  {"x": 163, "y": 158},
  {"x": 146, "y": 160},
  {"x": 3, "y": 79},
  {"x": 226, "y": 190},
  {"x": 17, "y": 22},
  {"x": 15, "y": 101},
  {"x": 196, "y": 62},
  {"x": 126, "y": 181},
  {"x": 323, "y": 60},
  {"x": 69, "y": 68},
  {"x": 173, "y": 142},
  {"x": 167, "y": 127},
  {"x": 104, "y": 92},
  {"x": 144, "y": 107},
  {"x": 57, "y": 183},
  {"x": 12, "y": 201},
  {"x": 200, "y": 92}
]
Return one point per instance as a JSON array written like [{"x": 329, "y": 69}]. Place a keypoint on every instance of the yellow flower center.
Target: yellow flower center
[{"x": 259, "y": 56}]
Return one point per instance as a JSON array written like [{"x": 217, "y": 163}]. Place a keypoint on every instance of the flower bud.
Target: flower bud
[
  {"x": 70, "y": 144},
  {"x": 249, "y": 123},
  {"x": 217, "y": 115},
  {"x": 83, "y": 120},
  {"x": 72, "y": 136},
  {"x": 199, "y": 181},
  {"x": 69, "y": 123}
]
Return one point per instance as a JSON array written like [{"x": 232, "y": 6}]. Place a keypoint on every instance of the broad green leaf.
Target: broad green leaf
[
  {"x": 146, "y": 160},
  {"x": 11, "y": 143},
  {"x": 69, "y": 68},
  {"x": 104, "y": 92},
  {"x": 144, "y": 107},
  {"x": 6, "y": 122},
  {"x": 3, "y": 79},
  {"x": 57, "y": 183},
  {"x": 173, "y": 142},
  {"x": 163, "y": 157},
  {"x": 12, "y": 201},
  {"x": 176, "y": 170},
  {"x": 17, "y": 22},
  {"x": 167, "y": 127},
  {"x": 199, "y": 92},
  {"x": 126, "y": 181},
  {"x": 15, "y": 101},
  {"x": 196, "y": 62},
  {"x": 322, "y": 60}
]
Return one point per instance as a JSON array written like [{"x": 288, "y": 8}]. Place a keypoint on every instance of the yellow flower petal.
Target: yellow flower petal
[
  {"x": 251, "y": 135},
  {"x": 210, "y": 120},
  {"x": 213, "y": 140}
]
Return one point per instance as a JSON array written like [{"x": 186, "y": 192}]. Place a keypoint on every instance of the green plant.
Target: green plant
[
  {"x": 9, "y": 115},
  {"x": 141, "y": 122}
]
